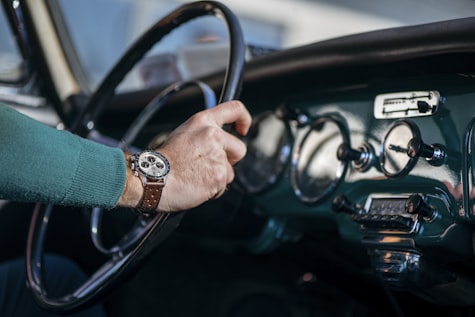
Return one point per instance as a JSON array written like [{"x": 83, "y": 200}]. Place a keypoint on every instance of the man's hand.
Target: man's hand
[{"x": 202, "y": 155}]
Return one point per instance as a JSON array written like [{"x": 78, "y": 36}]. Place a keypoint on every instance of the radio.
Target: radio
[{"x": 400, "y": 213}]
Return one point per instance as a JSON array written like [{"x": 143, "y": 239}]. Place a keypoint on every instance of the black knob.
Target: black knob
[
  {"x": 362, "y": 158},
  {"x": 435, "y": 154},
  {"x": 415, "y": 204},
  {"x": 417, "y": 148},
  {"x": 342, "y": 204},
  {"x": 423, "y": 106},
  {"x": 346, "y": 153}
]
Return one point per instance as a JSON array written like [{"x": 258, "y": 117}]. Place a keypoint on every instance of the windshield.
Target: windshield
[
  {"x": 11, "y": 62},
  {"x": 102, "y": 32}
]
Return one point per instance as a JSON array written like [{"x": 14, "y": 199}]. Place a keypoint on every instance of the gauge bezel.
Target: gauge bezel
[
  {"x": 283, "y": 157},
  {"x": 411, "y": 162},
  {"x": 341, "y": 169}
]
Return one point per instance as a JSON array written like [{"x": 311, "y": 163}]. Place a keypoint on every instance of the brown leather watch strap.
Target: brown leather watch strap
[{"x": 152, "y": 193}]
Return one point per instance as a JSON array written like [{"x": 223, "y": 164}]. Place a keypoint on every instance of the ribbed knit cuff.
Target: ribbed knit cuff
[{"x": 100, "y": 178}]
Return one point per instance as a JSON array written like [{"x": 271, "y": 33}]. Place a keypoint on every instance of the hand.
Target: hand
[{"x": 202, "y": 156}]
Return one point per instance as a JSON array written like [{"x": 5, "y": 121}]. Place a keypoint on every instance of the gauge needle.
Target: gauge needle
[{"x": 397, "y": 148}]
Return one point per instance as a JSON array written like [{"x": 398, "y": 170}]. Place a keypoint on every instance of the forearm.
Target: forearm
[{"x": 41, "y": 164}]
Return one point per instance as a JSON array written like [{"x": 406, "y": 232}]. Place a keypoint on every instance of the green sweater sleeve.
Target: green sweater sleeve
[{"x": 41, "y": 164}]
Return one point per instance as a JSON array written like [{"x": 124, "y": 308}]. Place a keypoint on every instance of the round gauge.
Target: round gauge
[
  {"x": 316, "y": 171},
  {"x": 394, "y": 160},
  {"x": 268, "y": 150}
]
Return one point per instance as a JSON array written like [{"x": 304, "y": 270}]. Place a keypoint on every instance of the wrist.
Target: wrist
[
  {"x": 145, "y": 179},
  {"x": 133, "y": 188}
]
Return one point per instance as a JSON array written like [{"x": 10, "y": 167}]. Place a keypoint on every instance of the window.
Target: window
[{"x": 11, "y": 62}]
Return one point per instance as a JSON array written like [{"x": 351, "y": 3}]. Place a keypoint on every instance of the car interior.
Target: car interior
[{"x": 355, "y": 198}]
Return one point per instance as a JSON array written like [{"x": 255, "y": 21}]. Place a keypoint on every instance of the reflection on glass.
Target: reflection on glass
[
  {"x": 316, "y": 169},
  {"x": 268, "y": 149}
]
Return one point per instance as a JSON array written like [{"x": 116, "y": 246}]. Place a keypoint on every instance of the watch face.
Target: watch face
[{"x": 153, "y": 165}]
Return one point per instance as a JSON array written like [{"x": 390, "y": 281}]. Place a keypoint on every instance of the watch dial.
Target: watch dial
[{"x": 153, "y": 165}]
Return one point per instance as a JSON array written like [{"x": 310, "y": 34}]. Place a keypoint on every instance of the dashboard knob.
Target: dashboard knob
[
  {"x": 415, "y": 204},
  {"x": 346, "y": 153},
  {"x": 362, "y": 158},
  {"x": 435, "y": 154},
  {"x": 341, "y": 203}
]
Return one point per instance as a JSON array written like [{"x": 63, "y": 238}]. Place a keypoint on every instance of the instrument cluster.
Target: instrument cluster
[
  {"x": 392, "y": 172},
  {"x": 317, "y": 148}
]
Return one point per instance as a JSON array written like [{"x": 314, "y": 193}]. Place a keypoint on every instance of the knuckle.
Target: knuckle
[
  {"x": 198, "y": 117},
  {"x": 236, "y": 106},
  {"x": 213, "y": 134}
]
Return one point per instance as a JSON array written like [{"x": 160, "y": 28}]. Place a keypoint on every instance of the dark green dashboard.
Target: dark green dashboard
[{"x": 381, "y": 152}]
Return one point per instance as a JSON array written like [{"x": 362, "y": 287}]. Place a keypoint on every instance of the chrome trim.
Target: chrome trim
[
  {"x": 63, "y": 79},
  {"x": 301, "y": 190}
]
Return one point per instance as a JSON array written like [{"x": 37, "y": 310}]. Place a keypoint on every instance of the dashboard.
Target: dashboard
[{"x": 389, "y": 167}]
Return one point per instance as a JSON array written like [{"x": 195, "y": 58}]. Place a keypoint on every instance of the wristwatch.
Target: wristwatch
[{"x": 152, "y": 168}]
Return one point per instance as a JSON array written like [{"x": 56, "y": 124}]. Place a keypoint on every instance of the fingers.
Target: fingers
[
  {"x": 235, "y": 149},
  {"x": 232, "y": 112},
  {"x": 230, "y": 174},
  {"x": 229, "y": 178}
]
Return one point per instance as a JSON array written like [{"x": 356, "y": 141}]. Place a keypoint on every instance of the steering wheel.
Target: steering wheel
[{"x": 148, "y": 232}]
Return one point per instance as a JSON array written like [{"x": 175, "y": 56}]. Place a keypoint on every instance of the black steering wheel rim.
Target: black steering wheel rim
[
  {"x": 232, "y": 80},
  {"x": 117, "y": 268}
]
